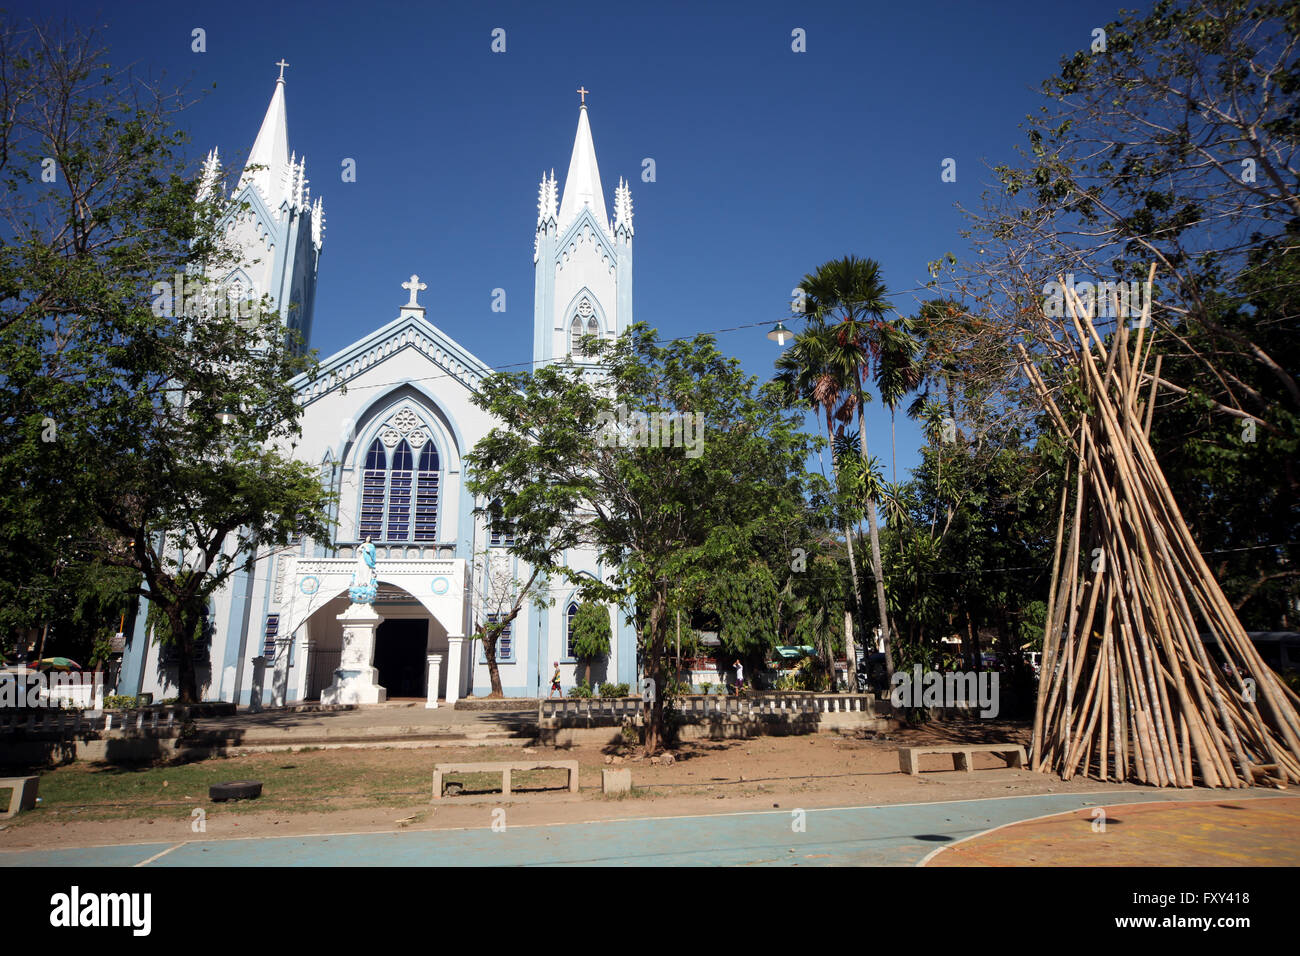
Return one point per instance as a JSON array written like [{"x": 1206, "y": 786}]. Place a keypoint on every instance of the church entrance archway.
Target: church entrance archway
[{"x": 400, "y": 649}]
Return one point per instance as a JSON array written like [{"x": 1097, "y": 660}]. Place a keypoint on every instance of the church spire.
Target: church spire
[
  {"x": 582, "y": 184},
  {"x": 271, "y": 152}
]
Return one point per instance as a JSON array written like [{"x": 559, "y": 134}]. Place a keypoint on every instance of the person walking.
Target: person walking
[
  {"x": 555, "y": 681},
  {"x": 740, "y": 677}
]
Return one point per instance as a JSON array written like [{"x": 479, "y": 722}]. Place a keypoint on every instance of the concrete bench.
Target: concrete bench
[
  {"x": 23, "y": 795},
  {"x": 909, "y": 757},
  {"x": 504, "y": 767}
]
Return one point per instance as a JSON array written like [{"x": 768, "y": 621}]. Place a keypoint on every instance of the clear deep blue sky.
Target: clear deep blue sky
[{"x": 768, "y": 161}]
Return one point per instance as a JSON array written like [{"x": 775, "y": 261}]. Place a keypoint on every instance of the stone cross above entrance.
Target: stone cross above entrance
[{"x": 416, "y": 287}]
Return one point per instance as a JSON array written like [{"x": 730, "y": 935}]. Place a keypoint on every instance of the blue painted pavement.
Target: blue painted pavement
[{"x": 897, "y": 835}]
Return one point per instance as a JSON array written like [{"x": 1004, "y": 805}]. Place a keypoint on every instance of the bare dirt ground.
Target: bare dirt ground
[{"x": 345, "y": 791}]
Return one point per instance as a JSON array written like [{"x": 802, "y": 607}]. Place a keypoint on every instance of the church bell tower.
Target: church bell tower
[
  {"x": 273, "y": 224},
  {"x": 582, "y": 260}
]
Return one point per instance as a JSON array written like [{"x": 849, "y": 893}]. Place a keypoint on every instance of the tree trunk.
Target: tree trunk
[
  {"x": 494, "y": 672},
  {"x": 850, "y": 655},
  {"x": 187, "y": 679},
  {"x": 654, "y": 669},
  {"x": 853, "y": 575},
  {"x": 875, "y": 551}
]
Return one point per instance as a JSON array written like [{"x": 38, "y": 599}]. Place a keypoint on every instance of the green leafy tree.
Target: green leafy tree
[
  {"x": 745, "y": 602},
  {"x": 591, "y": 634},
  {"x": 136, "y": 404},
  {"x": 1176, "y": 146},
  {"x": 669, "y": 520}
]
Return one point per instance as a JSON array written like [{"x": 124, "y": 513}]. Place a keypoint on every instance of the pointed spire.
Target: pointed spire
[
  {"x": 210, "y": 178},
  {"x": 271, "y": 152},
  {"x": 318, "y": 224},
  {"x": 622, "y": 208},
  {"x": 582, "y": 184},
  {"x": 547, "y": 199}
]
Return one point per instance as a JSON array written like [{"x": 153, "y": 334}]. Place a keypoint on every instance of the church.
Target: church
[{"x": 388, "y": 420}]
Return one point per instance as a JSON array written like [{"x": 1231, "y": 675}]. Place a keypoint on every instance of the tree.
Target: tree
[
  {"x": 849, "y": 295},
  {"x": 806, "y": 378},
  {"x": 746, "y": 605},
  {"x": 139, "y": 407},
  {"x": 591, "y": 634},
  {"x": 499, "y": 603},
  {"x": 1174, "y": 145},
  {"x": 577, "y": 462}
]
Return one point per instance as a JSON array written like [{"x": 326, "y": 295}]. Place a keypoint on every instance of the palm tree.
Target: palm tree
[
  {"x": 807, "y": 379},
  {"x": 898, "y": 374},
  {"x": 848, "y": 298}
]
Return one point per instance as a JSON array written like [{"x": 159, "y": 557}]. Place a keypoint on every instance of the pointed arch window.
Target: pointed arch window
[
  {"x": 568, "y": 629},
  {"x": 501, "y": 537},
  {"x": 399, "y": 494},
  {"x": 575, "y": 332}
]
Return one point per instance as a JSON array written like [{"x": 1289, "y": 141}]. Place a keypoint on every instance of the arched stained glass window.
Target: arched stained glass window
[
  {"x": 592, "y": 327},
  {"x": 426, "y": 495},
  {"x": 399, "y": 493},
  {"x": 568, "y": 630},
  {"x": 373, "y": 482}
]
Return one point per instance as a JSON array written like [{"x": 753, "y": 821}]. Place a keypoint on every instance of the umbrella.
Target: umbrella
[{"x": 58, "y": 664}]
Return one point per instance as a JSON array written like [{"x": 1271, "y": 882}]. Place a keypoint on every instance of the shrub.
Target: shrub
[
  {"x": 613, "y": 690},
  {"x": 580, "y": 690},
  {"x": 121, "y": 702}
]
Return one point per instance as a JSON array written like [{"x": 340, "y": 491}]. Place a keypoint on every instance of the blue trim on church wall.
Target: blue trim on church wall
[
  {"x": 131, "y": 679},
  {"x": 236, "y": 616}
]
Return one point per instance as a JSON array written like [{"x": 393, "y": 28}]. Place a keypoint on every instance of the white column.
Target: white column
[
  {"x": 259, "y": 677},
  {"x": 455, "y": 669},
  {"x": 435, "y": 674},
  {"x": 302, "y": 665}
]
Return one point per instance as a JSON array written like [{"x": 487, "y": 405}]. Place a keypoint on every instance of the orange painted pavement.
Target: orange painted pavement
[{"x": 1227, "y": 832}]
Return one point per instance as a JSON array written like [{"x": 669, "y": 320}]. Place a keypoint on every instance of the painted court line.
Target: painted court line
[{"x": 158, "y": 856}]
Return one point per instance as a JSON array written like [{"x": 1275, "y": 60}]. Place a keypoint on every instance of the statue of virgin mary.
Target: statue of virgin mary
[{"x": 363, "y": 588}]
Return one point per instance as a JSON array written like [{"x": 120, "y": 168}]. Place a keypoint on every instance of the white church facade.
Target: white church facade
[{"x": 389, "y": 420}]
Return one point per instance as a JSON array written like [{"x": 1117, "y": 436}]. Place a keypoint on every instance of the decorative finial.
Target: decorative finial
[
  {"x": 415, "y": 286},
  {"x": 282, "y": 65},
  {"x": 583, "y": 93}
]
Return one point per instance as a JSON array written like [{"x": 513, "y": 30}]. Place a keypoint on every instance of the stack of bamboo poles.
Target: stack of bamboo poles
[{"x": 1129, "y": 689}]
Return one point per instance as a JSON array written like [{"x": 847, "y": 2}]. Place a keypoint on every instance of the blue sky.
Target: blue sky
[{"x": 767, "y": 161}]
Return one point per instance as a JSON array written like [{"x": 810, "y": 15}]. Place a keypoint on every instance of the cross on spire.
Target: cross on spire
[
  {"x": 415, "y": 286},
  {"x": 583, "y": 93},
  {"x": 282, "y": 65}
]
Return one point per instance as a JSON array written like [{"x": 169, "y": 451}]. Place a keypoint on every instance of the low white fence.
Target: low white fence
[
  {"x": 63, "y": 722},
  {"x": 706, "y": 705}
]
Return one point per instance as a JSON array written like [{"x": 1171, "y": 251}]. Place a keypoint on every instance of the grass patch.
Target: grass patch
[{"x": 309, "y": 782}]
